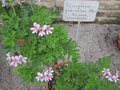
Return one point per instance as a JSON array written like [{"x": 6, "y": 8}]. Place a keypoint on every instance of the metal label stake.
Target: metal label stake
[
  {"x": 78, "y": 29},
  {"x": 80, "y": 11}
]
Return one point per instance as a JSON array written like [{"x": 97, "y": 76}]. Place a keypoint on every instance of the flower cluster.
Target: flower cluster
[
  {"x": 109, "y": 76},
  {"x": 14, "y": 60},
  {"x": 46, "y": 29},
  {"x": 46, "y": 76}
]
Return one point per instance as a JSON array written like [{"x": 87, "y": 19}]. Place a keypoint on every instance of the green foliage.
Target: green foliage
[
  {"x": 51, "y": 48},
  {"x": 103, "y": 62},
  {"x": 40, "y": 51},
  {"x": 42, "y": 15},
  {"x": 84, "y": 76},
  {"x": 8, "y": 37},
  {"x": 70, "y": 49}
]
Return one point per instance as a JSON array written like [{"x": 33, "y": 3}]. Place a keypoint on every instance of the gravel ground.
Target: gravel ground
[{"x": 95, "y": 41}]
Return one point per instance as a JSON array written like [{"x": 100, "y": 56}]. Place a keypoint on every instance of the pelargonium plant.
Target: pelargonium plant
[
  {"x": 41, "y": 52},
  {"x": 32, "y": 43}
]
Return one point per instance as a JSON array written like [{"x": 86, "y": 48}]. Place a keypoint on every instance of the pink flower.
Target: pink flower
[
  {"x": 115, "y": 78},
  {"x": 22, "y": 59},
  {"x": 41, "y": 32},
  {"x": 48, "y": 29},
  {"x": 15, "y": 61},
  {"x": 40, "y": 77},
  {"x": 3, "y": 3},
  {"x": 8, "y": 56},
  {"x": 110, "y": 78},
  {"x": 35, "y": 28},
  {"x": 106, "y": 72},
  {"x": 48, "y": 74},
  {"x": 48, "y": 77}
]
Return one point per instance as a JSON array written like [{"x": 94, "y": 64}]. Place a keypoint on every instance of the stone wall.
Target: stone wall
[{"x": 109, "y": 10}]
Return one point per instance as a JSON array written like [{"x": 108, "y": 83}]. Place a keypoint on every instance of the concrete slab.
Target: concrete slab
[{"x": 97, "y": 40}]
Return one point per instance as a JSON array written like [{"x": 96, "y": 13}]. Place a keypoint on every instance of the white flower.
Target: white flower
[
  {"x": 15, "y": 61},
  {"x": 106, "y": 72},
  {"x": 40, "y": 77},
  {"x": 115, "y": 78},
  {"x": 48, "y": 29},
  {"x": 35, "y": 28},
  {"x": 41, "y": 32},
  {"x": 8, "y": 56}
]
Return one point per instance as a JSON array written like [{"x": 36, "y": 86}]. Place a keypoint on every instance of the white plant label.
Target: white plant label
[{"x": 77, "y": 10}]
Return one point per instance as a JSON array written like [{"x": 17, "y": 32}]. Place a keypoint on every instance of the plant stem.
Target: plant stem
[
  {"x": 13, "y": 10},
  {"x": 12, "y": 7},
  {"x": 31, "y": 6},
  {"x": 60, "y": 64}
]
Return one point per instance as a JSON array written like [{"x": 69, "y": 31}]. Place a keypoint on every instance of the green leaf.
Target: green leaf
[{"x": 103, "y": 63}]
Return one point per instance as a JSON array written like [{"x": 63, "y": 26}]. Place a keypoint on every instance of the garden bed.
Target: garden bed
[{"x": 95, "y": 41}]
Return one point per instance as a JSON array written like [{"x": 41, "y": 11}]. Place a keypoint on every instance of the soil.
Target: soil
[{"x": 94, "y": 41}]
